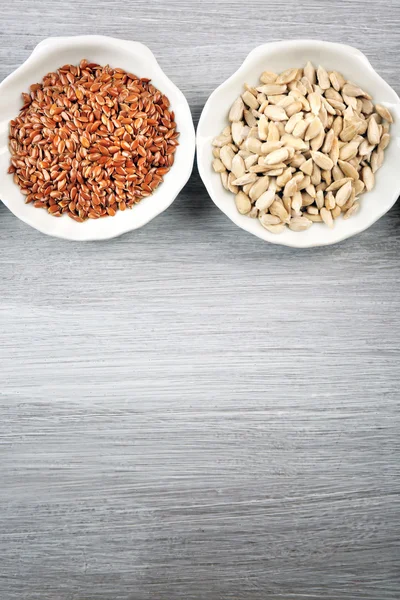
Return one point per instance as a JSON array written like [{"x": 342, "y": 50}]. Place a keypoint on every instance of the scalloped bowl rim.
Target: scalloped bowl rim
[
  {"x": 275, "y": 51},
  {"x": 142, "y": 61}
]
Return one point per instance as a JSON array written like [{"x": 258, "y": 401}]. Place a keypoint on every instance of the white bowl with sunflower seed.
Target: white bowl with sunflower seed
[
  {"x": 301, "y": 145},
  {"x": 94, "y": 138}
]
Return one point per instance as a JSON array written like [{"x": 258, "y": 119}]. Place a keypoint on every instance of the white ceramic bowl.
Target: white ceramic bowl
[
  {"x": 132, "y": 56},
  {"x": 277, "y": 57}
]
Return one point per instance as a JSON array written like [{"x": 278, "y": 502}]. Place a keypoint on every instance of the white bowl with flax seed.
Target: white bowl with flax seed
[
  {"x": 277, "y": 57},
  {"x": 133, "y": 57}
]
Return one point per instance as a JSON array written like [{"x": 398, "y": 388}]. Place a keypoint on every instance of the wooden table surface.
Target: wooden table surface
[{"x": 187, "y": 413}]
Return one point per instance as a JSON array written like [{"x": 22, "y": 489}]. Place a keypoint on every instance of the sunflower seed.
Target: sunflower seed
[
  {"x": 304, "y": 182},
  {"x": 337, "y": 126},
  {"x": 273, "y": 133},
  {"x": 277, "y": 156},
  {"x": 303, "y": 148},
  {"x": 317, "y": 142},
  {"x": 316, "y": 175},
  {"x": 267, "y": 219},
  {"x": 280, "y": 211},
  {"x": 351, "y": 211},
  {"x": 253, "y": 214},
  {"x": 284, "y": 101},
  {"x": 253, "y": 145},
  {"x": 251, "y": 160},
  {"x": 290, "y": 187},
  {"x": 224, "y": 180},
  {"x": 299, "y": 224},
  {"x": 260, "y": 169},
  {"x": 287, "y": 76},
  {"x": 259, "y": 187},
  {"x": 221, "y": 140},
  {"x": 266, "y": 199},
  {"x": 322, "y": 160},
  {"x": 253, "y": 133},
  {"x": 262, "y": 127},
  {"x": 327, "y": 176},
  {"x": 367, "y": 106},
  {"x": 272, "y": 89},
  {"x": 238, "y": 166},
  {"x": 273, "y": 228},
  {"x": 275, "y": 113},
  {"x": 309, "y": 72},
  {"x": 377, "y": 160},
  {"x": 323, "y": 78},
  {"x": 368, "y": 178},
  {"x": 314, "y": 129},
  {"x": 243, "y": 203},
  {"x": 334, "y": 151},
  {"x": 293, "y": 121},
  {"x": 352, "y": 90},
  {"x": 268, "y": 77},
  {"x": 348, "y": 151},
  {"x": 326, "y": 217},
  {"x": 238, "y": 132},
  {"x": 261, "y": 99},
  {"x": 300, "y": 129},
  {"x": 319, "y": 199},
  {"x": 365, "y": 148},
  {"x": 250, "y": 118},
  {"x": 275, "y": 172},
  {"x": 292, "y": 108},
  {"x": 226, "y": 156},
  {"x": 282, "y": 180},
  {"x": 343, "y": 194},
  {"x": 306, "y": 85},
  {"x": 348, "y": 133},
  {"x": 236, "y": 112},
  {"x": 349, "y": 202},
  {"x": 311, "y": 190},
  {"x": 330, "y": 201},
  {"x": 337, "y": 80},
  {"x": 297, "y": 160},
  {"x": 328, "y": 141},
  {"x": 359, "y": 187},
  {"x": 337, "y": 173},
  {"x": 247, "y": 187},
  {"x": 338, "y": 106},
  {"x": 231, "y": 184},
  {"x": 307, "y": 167},
  {"x": 218, "y": 166},
  {"x": 351, "y": 101},
  {"x": 244, "y": 179},
  {"x": 373, "y": 133},
  {"x": 348, "y": 169},
  {"x": 312, "y": 210},
  {"x": 297, "y": 202},
  {"x": 385, "y": 139},
  {"x": 268, "y": 147},
  {"x": 300, "y": 98},
  {"x": 338, "y": 184}
]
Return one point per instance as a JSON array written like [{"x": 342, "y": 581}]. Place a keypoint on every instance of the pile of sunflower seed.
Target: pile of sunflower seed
[{"x": 301, "y": 148}]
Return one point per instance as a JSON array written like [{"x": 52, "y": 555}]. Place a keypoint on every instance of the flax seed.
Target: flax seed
[{"x": 91, "y": 140}]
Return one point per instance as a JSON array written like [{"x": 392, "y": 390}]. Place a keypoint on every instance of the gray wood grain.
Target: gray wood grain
[{"x": 186, "y": 412}]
